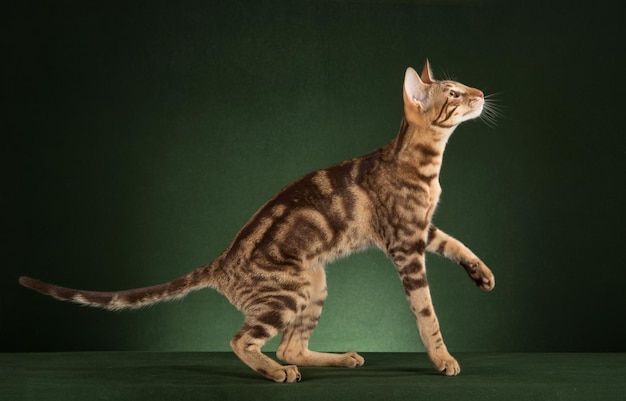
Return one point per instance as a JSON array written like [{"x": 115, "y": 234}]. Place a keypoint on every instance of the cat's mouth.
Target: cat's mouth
[
  {"x": 478, "y": 101},
  {"x": 475, "y": 111}
]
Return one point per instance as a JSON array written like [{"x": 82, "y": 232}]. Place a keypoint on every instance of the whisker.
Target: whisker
[
  {"x": 447, "y": 76},
  {"x": 491, "y": 111},
  {"x": 492, "y": 95}
]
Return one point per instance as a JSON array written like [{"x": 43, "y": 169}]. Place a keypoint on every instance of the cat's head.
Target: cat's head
[{"x": 439, "y": 104}]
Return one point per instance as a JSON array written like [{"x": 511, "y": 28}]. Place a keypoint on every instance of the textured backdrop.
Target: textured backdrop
[{"x": 138, "y": 138}]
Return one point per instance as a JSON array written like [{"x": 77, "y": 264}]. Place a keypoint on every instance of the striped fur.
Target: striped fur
[{"x": 273, "y": 271}]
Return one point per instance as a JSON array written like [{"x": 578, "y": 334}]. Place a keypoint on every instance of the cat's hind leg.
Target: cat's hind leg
[
  {"x": 294, "y": 345},
  {"x": 262, "y": 324}
]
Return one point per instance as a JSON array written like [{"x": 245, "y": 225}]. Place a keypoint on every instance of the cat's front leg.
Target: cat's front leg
[
  {"x": 412, "y": 271},
  {"x": 445, "y": 245}
]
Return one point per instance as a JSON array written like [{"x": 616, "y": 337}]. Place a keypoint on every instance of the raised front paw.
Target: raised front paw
[
  {"x": 480, "y": 274},
  {"x": 446, "y": 364},
  {"x": 286, "y": 374}
]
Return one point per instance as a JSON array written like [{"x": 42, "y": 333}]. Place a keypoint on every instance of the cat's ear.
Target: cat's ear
[
  {"x": 427, "y": 74},
  {"x": 415, "y": 91}
]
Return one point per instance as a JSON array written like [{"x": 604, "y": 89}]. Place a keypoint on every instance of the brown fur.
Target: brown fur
[{"x": 273, "y": 271}]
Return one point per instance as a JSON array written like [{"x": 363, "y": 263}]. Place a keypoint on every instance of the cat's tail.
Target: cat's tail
[{"x": 128, "y": 299}]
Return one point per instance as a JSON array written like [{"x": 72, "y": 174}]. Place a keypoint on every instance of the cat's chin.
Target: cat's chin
[{"x": 472, "y": 115}]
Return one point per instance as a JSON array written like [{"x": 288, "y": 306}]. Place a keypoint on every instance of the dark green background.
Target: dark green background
[{"x": 139, "y": 136}]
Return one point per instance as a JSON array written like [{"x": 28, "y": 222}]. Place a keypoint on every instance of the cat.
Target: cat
[{"x": 273, "y": 271}]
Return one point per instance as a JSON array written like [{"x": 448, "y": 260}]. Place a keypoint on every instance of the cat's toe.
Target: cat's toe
[
  {"x": 286, "y": 374},
  {"x": 487, "y": 280},
  {"x": 446, "y": 364},
  {"x": 353, "y": 360},
  {"x": 480, "y": 274},
  {"x": 488, "y": 283},
  {"x": 451, "y": 369}
]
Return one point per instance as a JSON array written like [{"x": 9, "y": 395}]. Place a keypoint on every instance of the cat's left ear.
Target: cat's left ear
[{"x": 415, "y": 91}]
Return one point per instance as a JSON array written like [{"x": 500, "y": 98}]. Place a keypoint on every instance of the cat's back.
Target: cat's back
[{"x": 318, "y": 217}]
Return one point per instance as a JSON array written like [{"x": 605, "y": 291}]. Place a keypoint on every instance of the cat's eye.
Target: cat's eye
[{"x": 454, "y": 94}]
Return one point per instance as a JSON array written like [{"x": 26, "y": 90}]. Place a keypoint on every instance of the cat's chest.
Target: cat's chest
[
  {"x": 431, "y": 197},
  {"x": 422, "y": 185},
  {"x": 434, "y": 191},
  {"x": 417, "y": 195}
]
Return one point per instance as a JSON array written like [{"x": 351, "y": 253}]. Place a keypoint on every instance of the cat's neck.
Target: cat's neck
[{"x": 419, "y": 146}]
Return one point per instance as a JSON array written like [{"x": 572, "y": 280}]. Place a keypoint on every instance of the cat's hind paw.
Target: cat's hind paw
[
  {"x": 353, "y": 360},
  {"x": 286, "y": 374}
]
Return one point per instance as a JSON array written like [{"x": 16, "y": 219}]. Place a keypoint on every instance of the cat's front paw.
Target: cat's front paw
[
  {"x": 446, "y": 364},
  {"x": 480, "y": 274}
]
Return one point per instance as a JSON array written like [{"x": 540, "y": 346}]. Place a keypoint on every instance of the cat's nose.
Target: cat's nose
[{"x": 480, "y": 94}]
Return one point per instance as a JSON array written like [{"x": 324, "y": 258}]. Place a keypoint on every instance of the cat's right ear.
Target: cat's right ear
[
  {"x": 427, "y": 74},
  {"x": 415, "y": 91}
]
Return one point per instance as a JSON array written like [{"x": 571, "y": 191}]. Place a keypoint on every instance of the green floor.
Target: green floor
[{"x": 385, "y": 376}]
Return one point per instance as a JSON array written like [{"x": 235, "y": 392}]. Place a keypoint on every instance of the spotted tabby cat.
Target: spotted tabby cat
[{"x": 273, "y": 271}]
